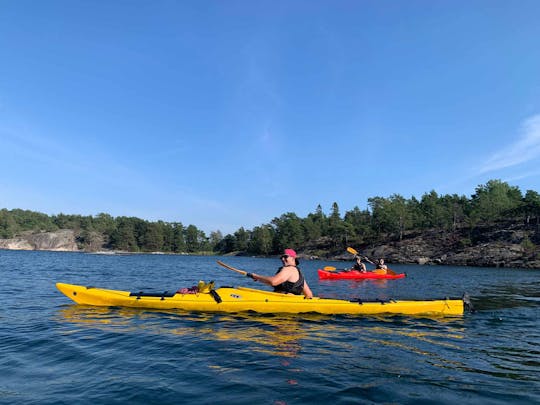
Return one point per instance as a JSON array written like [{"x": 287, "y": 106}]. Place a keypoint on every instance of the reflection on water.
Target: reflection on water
[
  {"x": 145, "y": 356},
  {"x": 280, "y": 335}
]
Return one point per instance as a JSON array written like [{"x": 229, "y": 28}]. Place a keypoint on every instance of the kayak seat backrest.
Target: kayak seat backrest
[{"x": 165, "y": 294}]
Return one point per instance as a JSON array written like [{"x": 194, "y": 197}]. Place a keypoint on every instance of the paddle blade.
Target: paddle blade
[
  {"x": 352, "y": 251},
  {"x": 329, "y": 268}
]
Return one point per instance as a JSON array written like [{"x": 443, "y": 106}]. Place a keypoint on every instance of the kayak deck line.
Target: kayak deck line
[{"x": 241, "y": 299}]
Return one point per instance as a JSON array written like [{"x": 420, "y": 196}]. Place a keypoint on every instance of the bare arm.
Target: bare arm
[
  {"x": 307, "y": 290},
  {"x": 272, "y": 281}
]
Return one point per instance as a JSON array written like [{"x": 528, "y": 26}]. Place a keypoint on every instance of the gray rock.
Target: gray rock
[{"x": 62, "y": 240}]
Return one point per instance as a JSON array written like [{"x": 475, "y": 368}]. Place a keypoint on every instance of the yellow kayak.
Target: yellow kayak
[{"x": 240, "y": 299}]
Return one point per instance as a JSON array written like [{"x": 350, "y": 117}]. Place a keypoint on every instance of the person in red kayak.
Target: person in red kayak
[
  {"x": 381, "y": 268},
  {"x": 381, "y": 265},
  {"x": 358, "y": 266},
  {"x": 288, "y": 279}
]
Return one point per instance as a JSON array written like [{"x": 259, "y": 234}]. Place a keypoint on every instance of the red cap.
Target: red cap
[{"x": 289, "y": 252}]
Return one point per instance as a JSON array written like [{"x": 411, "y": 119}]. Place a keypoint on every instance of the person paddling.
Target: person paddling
[
  {"x": 358, "y": 266},
  {"x": 381, "y": 266},
  {"x": 288, "y": 279}
]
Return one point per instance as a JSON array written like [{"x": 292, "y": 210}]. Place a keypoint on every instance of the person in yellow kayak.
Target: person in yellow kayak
[{"x": 288, "y": 279}]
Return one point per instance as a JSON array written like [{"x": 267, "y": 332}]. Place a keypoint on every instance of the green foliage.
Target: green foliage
[
  {"x": 261, "y": 240},
  {"x": 495, "y": 200},
  {"x": 192, "y": 239},
  {"x": 391, "y": 215},
  {"x": 531, "y": 207},
  {"x": 464, "y": 243},
  {"x": 289, "y": 231},
  {"x": 386, "y": 218},
  {"x": 241, "y": 239}
]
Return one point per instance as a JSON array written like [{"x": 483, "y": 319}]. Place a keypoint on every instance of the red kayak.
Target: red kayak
[{"x": 356, "y": 275}]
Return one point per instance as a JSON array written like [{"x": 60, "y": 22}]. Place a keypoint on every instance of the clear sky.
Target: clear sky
[{"x": 225, "y": 114}]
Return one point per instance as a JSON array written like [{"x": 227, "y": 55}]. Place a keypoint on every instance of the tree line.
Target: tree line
[{"x": 385, "y": 219}]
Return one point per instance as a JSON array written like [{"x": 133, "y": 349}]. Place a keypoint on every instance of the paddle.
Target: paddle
[
  {"x": 245, "y": 273},
  {"x": 329, "y": 268},
  {"x": 377, "y": 271}
]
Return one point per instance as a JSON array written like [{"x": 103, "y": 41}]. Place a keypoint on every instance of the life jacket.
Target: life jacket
[{"x": 296, "y": 288}]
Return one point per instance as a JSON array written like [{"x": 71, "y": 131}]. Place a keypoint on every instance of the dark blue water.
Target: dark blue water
[{"x": 53, "y": 351}]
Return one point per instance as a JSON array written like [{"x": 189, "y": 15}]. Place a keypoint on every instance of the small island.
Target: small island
[{"x": 498, "y": 226}]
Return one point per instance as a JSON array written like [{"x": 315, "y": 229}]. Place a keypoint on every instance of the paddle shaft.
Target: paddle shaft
[{"x": 244, "y": 273}]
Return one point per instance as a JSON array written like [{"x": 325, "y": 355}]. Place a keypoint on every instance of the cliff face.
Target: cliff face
[{"x": 62, "y": 240}]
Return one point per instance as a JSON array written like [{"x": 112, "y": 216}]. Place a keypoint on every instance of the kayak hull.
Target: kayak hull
[
  {"x": 241, "y": 299},
  {"x": 357, "y": 275}
]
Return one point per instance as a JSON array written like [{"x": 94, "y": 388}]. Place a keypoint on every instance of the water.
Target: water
[{"x": 53, "y": 351}]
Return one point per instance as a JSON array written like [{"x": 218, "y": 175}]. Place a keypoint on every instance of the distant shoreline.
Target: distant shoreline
[{"x": 390, "y": 258}]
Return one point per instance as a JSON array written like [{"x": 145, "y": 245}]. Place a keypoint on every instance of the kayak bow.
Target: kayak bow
[{"x": 240, "y": 299}]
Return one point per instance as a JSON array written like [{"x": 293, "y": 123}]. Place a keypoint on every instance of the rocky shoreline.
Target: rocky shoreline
[
  {"x": 511, "y": 247},
  {"x": 60, "y": 241},
  {"x": 433, "y": 248}
]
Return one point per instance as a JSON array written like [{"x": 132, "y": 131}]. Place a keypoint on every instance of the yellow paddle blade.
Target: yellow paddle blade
[
  {"x": 352, "y": 251},
  {"x": 379, "y": 271},
  {"x": 329, "y": 268}
]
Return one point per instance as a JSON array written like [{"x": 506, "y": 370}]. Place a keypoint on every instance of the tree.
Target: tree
[
  {"x": 337, "y": 229},
  {"x": 288, "y": 231},
  {"x": 311, "y": 230},
  {"x": 455, "y": 207},
  {"x": 123, "y": 238},
  {"x": 319, "y": 221},
  {"x": 242, "y": 240},
  {"x": 105, "y": 225},
  {"x": 531, "y": 206},
  {"x": 179, "y": 242},
  {"x": 494, "y": 200},
  {"x": 215, "y": 238},
  {"x": 390, "y": 215},
  {"x": 8, "y": 226},
  {"x": 433, "y": 210},
  {"x": 167, "y": 232},
  {"x": 152, "y": 237},
  {"x": 192, "y": 239},
  {"x": 261, "y": 240},
  {"x": 360, "y": 220},
  {"x": 203, "y": 241},
  {"x": 226, "y": 245}
]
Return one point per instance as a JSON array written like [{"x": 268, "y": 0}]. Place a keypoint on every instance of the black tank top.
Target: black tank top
[{"x": 296, "y": 288}]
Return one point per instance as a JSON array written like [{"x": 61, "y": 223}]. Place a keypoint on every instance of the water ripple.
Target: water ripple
[{"x": 52, "y": 351}]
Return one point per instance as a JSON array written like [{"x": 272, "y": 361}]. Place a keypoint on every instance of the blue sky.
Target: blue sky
[{"x": 225, "y": 114}]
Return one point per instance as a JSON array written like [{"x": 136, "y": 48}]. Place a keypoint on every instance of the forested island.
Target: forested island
[{"x": 498, "y": 225}]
